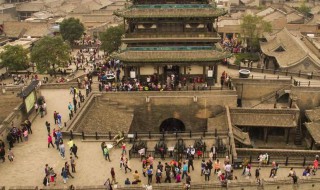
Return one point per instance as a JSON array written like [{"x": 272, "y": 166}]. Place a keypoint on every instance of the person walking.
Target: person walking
[
  {"x": 190, "y": 163},
  {"x": 50, "y": 141},
  {"x": 70, "y": 108},
  {"x": 316, "y": 164},
  {"x": 73, "y": 164},
  {"x": 103, "y": 144},
  {"x": 70, "y": 144},
  {"x": 19, "y": 135},
  {"x": 55, "y": 117},
  {"x": 10, "y": 155},
  {"x": 150, "y": 174},
  {"x": 106, "y": 153},
  {"x": 184, "y": 169},
  {"x": 67, "y": 168},
  {"x": 188, "y": 179},
  {"x": 257, "y": 175},
  {"x": 75, "y": 104},
  {"x": 53, "y": 175},
  {"x": 64, "y": 175},
  {"x": 216, "y": 166},
  {"x": 57, "y": 142},
  {"x": 28, "y": 125},
  {"x": 41, "y": 111},
  {"x": 206, "y": 173},
  {"x": 158, "y": 176},
  {"x": 59, "y": 120},
  {"x": 10, "y": 140},
  {"x": 121, "y": 161},
  {"x": 74, "y": 150},
  {"x": 124, "y": 151},
  {"x": 113, "y": 176},
  {"x": 126, "y": 165},
  {"x": 168, "y": 171},
  {"x": 48, "y": 126},
  {"x": 44, "y": 106},
  {"x": 46, "y": 180},
  {"x": 62, "y": 149},
  {"x": 2, "y": 154},
  {"x": 36, "y": 107}
]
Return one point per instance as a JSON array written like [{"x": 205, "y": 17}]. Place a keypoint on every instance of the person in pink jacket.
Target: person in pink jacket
[{"x": 50, "y": 141}]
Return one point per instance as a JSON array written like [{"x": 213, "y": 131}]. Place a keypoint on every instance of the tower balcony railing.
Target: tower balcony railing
[{"x": 173, "y": 35}]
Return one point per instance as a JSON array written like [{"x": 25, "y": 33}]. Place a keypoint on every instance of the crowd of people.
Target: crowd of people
[
  {"x": 234, "y": 45},
  {"x": 50, "y": 175},
  {"x": 55, "y": 140}
]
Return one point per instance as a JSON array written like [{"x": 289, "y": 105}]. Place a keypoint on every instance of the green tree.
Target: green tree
[
  {"x": 14, "y": 57},
  {"x": 49, "y": 53},
  {"x": 253, "y": 27},
  {"x": 71, "y": 29},
  {"x": 111, "y": 38},
  {"x": 304, "y": 9}
]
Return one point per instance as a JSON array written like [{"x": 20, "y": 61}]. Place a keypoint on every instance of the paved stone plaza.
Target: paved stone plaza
[{"x": 92, "y": 169}]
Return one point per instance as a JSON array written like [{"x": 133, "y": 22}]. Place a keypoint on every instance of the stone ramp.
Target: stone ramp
[
  {"x": 219, "y": 122},
  {"x": 241, "y": 136},
  {"x": 105, "y": 116}
]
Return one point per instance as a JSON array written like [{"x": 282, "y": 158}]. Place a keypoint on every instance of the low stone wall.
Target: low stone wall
[
  {"x": 308, "y": 183},
  {"x": 279, "y": 152},
  {"x": 12, "y": 88},
  {"x": 65, "y": 85},
  {"x": 290, "y": 157},
  {"x": 23, "y": 188}
]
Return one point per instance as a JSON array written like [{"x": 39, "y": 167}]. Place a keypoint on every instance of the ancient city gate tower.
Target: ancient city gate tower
[{"x": 171, "y": 37}]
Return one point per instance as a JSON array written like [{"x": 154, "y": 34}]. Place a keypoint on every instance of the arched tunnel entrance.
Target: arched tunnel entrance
[{"x": 172, "y": 124}]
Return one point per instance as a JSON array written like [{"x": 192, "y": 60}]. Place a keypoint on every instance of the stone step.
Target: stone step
[
  {"x": 130, "y": 110},
  {"x": 113, "y": 103},
  {"x": 122, "y": 107},
  {"x": 105, "y": 99}
]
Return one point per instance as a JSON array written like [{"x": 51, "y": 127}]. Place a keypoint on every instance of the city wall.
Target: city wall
[{"x": 151, "y": 109}]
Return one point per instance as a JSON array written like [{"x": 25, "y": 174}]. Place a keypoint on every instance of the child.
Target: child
[
  {"x": 144, "y": 170},
  {"x": 10, "y": 155},
  {"x": 178, "y": 178}
]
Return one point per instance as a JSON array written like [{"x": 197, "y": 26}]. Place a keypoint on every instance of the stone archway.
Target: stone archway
[
  {"x": 283, "y": 98},
  {"x": 172, "y": 124}
]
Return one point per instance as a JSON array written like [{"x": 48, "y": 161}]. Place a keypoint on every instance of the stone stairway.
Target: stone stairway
[{"x": 298, "y": 136}]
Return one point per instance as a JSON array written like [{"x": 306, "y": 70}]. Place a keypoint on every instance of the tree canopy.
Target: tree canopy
[
  {"x": 111, "y": 38},
  {"x": 50, "y": 52},
  {"x": 14, "y": 57},
  {"x": 71, "y": 29},
  {"x": 304, "y": 9},
  {"x": 253, "y": 27}
]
